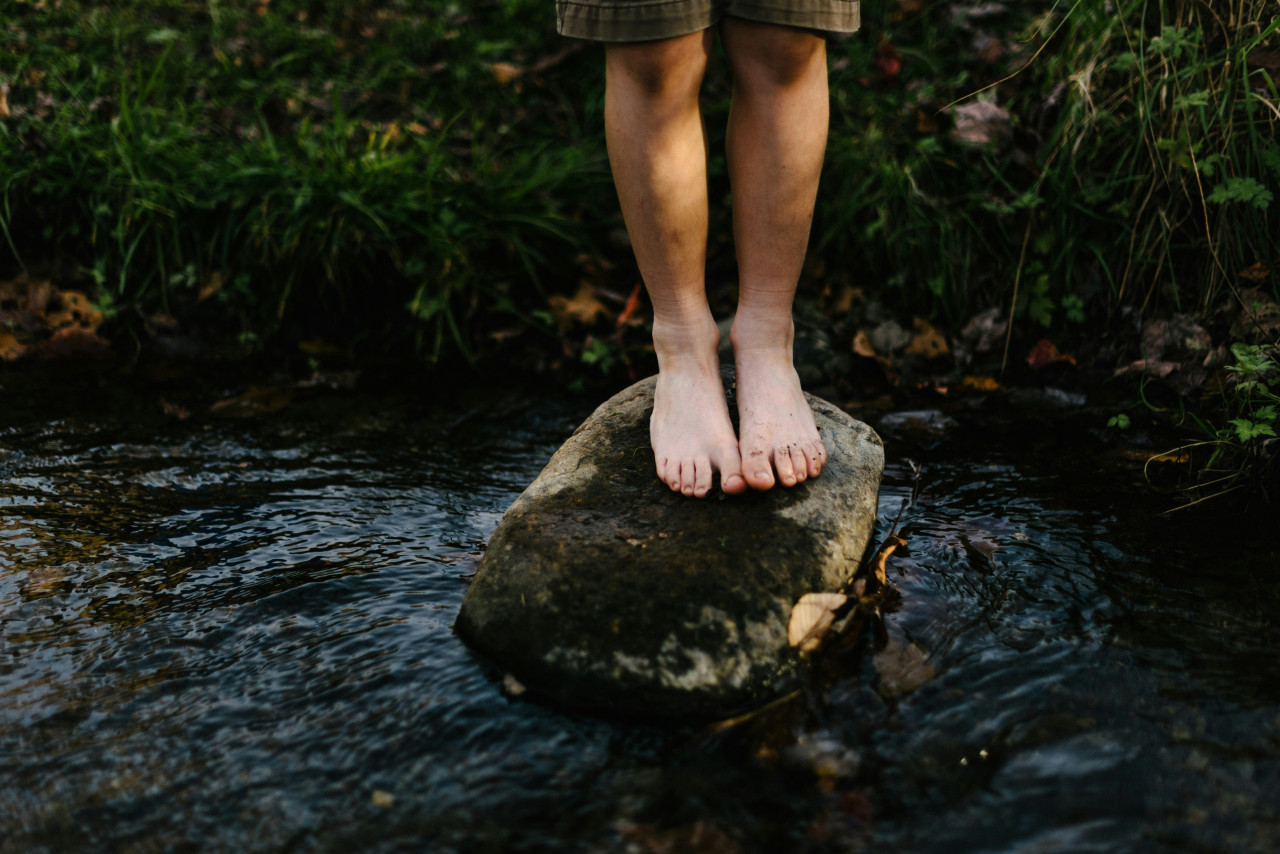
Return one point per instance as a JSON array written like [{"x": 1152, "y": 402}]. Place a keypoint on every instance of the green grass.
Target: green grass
[
  {"x": 358, "y": 170},
  {"x": 1140, "y": 167},
  {"x": 369, "y": 172}
]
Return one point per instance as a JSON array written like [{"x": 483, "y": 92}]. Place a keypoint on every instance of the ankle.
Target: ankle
[
  {"x": 771, "y": 333},
  {"x": 686, "y": 341}
]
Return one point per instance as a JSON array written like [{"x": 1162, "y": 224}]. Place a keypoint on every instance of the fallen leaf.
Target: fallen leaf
[
  {"x": 210, "y": 287},
  {"x": 73, "y": 342},
  {"x": 981, "y": 383},
  {"x": 1257, "y": 272},
  {"x": 4, "y": 101},
  {"x": 878, "y": 577},
  {"x": 1175, "y": 338},
  {"x": 73, "y": 309},
  {"x": 382, "y": 799},
  {"x": 1153, "y": 367},
  {"x": 256, "y": 401},
  {"x": 926, "y": 341},
  {"x": 174, "y": 411},
  {"x": 1046, "y": 353},
  {"x": 10, "y": 349},
  {"x": 512, "y": 686},
  {"x": 581, "y": 309},
  {"x": 862, "y": 345},
  {"x": 1259, "y": 318},
  {"x": 902, "y": 667},
  {"x": 811, "y": 617},
  {"x": 981, "y": 123},
  {"x": 505, "y": 72}
]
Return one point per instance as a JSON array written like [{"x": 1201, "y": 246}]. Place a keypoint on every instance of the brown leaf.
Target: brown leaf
[
  {"x": 73, "y": 342},
  {"x": 174, "y": 411},
  {"x": 210, "y": 287},
  {"x": 72, "y": 308},
  {"x": 1046, "y": 353},
  {"x": 4, "y": 101},
  {"x": 981, "y": 383},
  {"x": 10, "y": 349},
  {"x": 811, "y": 617},
  {"x": 505, "y": 72},
  {"x": 926, "y": 341},
  {"x": 581, "y": 309},
  {"x": 862, "y": 345},
  {"x": 1259, "y": 318},
  {"x": 878, "y": 578},
  {"x": 903, "y": 667},
  {"x": 260, "y": 400},
  {"x": 981, "y": 123},
  {"x": 1257, "y": 272}
]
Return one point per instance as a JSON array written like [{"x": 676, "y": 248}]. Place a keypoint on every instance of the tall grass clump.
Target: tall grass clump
[
  {"x": 1124, "y": 155},
  {"x": 365, "y": 170}
]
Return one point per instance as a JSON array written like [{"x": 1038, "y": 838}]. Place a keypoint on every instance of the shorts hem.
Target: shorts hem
[{"x": 620, "y": 22}]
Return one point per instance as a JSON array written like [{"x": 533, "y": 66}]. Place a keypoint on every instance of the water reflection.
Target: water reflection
[{"x": 233, "y": 634}]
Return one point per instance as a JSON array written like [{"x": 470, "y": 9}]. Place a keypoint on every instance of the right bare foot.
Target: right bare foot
[{"x": 690, "y": 430}]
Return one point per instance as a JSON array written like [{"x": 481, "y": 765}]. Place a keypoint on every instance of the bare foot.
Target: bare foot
[
  {"x": 690, "y": 430},
  {"x": 778, "y": 433}
]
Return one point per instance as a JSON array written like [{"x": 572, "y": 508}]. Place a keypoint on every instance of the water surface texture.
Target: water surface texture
[{"x": 235, "y": 634}]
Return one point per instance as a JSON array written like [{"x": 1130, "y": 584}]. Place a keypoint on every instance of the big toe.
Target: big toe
[
  {"x": 729, "y": 464},
  {"x": 758, "y": 472}
]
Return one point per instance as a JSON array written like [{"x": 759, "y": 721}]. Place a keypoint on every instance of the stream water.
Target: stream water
[{"x": 234, "y": 634}]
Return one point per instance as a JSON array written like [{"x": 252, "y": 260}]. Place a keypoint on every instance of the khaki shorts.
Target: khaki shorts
[{"x": 643, "y": 20}]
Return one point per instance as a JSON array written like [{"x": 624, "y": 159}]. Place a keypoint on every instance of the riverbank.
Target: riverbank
[{"x": 292, "y": 182}]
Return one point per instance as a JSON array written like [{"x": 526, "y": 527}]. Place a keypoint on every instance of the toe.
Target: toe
[
  {"x": 800, "y": 464},
  {"x": 782, "y": 462},
  {"x": 815, "y": 456},
  {"x": 756, "y": 470},
  {"x": 688, "y": 475},
  {"x": 702, "y": 476},
  {"x": 729, "y": 464}
]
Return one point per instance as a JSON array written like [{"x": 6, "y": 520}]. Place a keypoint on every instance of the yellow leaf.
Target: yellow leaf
[{"x": 811, "y": 617}]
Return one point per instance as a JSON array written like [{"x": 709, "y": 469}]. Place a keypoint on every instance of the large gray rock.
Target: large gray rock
[{"x": 602, "y": 588}]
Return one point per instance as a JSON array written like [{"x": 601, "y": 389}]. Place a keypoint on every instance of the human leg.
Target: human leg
[
  {"x": 657, "y": 149},
  {"x": 776, "y": 142}
]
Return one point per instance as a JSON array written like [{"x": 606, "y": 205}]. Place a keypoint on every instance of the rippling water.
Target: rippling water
[{"x": 235, "y": 634}]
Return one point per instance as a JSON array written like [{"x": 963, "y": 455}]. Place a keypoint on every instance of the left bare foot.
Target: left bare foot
[{"x": 776, "y": 430}]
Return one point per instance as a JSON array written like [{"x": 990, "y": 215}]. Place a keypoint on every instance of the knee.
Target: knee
[
  {"x": 777, "y": 57},
  {"x": 655, "y": 70}
]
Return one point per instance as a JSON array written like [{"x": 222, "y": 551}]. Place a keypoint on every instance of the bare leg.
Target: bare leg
[
  {"x": 777, "y": 138},
  {"x": 657, "y": 148}
]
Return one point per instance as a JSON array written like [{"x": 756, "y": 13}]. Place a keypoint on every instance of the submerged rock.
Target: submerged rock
[{"x": 601, "y": 588}]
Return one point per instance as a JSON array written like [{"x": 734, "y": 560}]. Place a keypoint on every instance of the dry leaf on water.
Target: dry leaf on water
[
  {"x": 811, "y": 618},
  {"x": 903, "y": 667}
]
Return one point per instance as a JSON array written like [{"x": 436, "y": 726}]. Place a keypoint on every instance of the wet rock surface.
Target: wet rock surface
[{"x": 601, "y": 588}]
